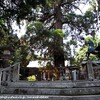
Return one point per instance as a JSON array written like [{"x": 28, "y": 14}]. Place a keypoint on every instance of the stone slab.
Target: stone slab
[
  {"x": 53, "y": 88},
  {"x": 54, "y": 84},
  {"x": 52, "y": 91}
]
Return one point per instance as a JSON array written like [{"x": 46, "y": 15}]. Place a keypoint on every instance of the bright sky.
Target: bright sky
[
  {"x": 83, "y": 8},
  {"x": 19, "y": 30}
]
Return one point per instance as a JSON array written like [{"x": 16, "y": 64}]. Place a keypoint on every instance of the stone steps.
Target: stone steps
[
  {"x": 53, "y": 90},
  {"x": 55, "y": 84}
]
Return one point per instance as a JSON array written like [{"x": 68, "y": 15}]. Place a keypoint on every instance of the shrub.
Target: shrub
[{"x": 31, "y": 78}]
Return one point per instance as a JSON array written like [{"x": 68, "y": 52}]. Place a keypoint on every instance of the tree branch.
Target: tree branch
[{"x": 69, "y": 3}]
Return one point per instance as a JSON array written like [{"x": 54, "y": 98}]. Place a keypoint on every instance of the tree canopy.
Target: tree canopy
[{"x": 49, "y": 22}]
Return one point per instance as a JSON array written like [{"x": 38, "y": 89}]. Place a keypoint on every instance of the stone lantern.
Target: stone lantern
[{"x": 6, "y": 55}]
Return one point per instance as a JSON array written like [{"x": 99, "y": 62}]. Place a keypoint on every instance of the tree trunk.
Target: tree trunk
[{"x": 58, "y": 53}]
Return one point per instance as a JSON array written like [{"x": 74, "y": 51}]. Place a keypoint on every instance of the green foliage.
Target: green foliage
[
  {"x": 73, "y": 42},
  {"x": 81, "y": 54},
  {"x": 41, "y": 39},
  {"x": 94, "y": 4},
  {"x": 95, "y": 40},
  {"x": 8, "y": 39},
  {"x": 31, "y": 78},
  {"x": 52, "y": 2},
  {"x": 19, "y": 53},
  {"x": 38, "y": 27},
  {"x": 58, "y": 33}
]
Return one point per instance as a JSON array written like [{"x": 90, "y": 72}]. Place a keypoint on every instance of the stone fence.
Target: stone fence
[{"x": 9, "y": 74}]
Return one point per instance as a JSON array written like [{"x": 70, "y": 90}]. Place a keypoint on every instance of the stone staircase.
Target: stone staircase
[
  {"x": 14, "y": 89},
  {"x": 51, "y": 90}
]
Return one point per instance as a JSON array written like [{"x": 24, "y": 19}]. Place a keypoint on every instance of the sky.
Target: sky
[{"x": 19, "y": 30}]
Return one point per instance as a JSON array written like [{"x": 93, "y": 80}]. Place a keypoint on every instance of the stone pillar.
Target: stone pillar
[
  {"x": 67, "y": 74},
  {"x": 4, "y": 76},
  {"x": 90, "y": 70},
  {"x": 61, "y": 72},
  {"x": 74, "y": 75},
  {"x": 10, "y": 74},
  {"x": 44, "y": 75},
  {"x": 7, "y": 75},
  {"x": 15, "y": 73},
  {"x": 18, "y": 73}
]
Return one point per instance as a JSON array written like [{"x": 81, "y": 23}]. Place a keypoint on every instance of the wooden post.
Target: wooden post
[
  {"x": 41, "y": 75},
  {"x": 48, "y": 75},
  {"x": 90, "y": 70}
]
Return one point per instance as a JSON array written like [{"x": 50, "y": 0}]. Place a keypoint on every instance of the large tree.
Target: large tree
[
  {"x": 59, "y": 13},
  {"x": 54, "y": 14}
]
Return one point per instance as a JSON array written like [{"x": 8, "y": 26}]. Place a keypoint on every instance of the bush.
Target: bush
[{"x": 31, "y": 78}]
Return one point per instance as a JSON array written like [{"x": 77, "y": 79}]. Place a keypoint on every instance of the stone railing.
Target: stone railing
[
  {"x": 92, "y": 69},
  {"x": 10, "y": 74}
]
